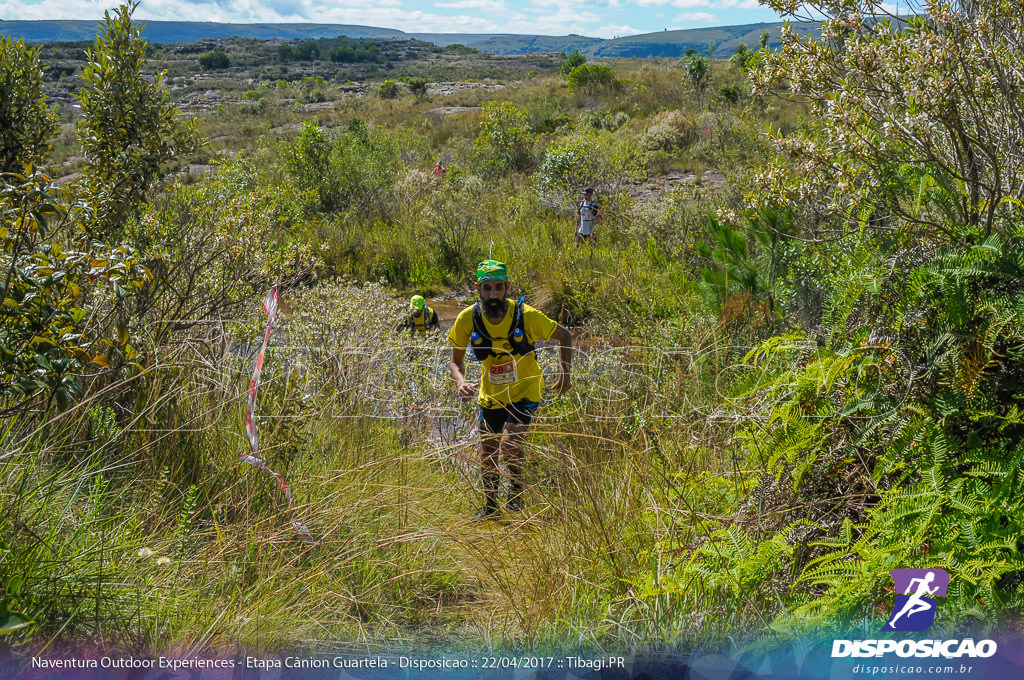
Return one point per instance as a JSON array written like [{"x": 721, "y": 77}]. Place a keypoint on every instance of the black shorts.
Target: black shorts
[{"x": 493, "y": 420}]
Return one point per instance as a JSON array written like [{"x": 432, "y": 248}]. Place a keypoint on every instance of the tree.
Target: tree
[
  {"x": 697, "y": 74},
  {"x": 572, "y": 61},
  {"x": 129, "y": 128},
  {"x": 26, "y": 123},
  {"x": 307, "y": 50},
  {"x": 418, "y": 86},
  {"x": 57, "y": 303},
  {"x": 920, "y": 118},
  {"x": 214, "y": 59}
]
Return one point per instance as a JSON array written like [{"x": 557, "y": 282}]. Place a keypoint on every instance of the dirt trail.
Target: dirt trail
[{"x": 513, "y": 568}]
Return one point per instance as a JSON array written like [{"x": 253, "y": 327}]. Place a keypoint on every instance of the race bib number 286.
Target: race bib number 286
[{"x": 503, "y": 374}]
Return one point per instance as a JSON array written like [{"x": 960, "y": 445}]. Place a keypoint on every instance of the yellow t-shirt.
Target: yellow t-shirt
[
  {"x": 514, "y": 377},
  {"x": 419, "y": 323}
]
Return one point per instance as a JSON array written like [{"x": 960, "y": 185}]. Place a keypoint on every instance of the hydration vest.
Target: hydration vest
[
  {"x": 483, "y": 344},
  {"x": 429, "y": 318},
  {"x": 588, "y": 211}
]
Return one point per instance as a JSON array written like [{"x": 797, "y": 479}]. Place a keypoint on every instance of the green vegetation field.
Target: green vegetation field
[{"x": 799, "y": 356}]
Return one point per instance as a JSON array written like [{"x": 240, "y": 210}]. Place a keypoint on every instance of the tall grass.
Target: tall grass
[
  {"x": 134, "y": 523},
  {"x": 140, "y": 527}
]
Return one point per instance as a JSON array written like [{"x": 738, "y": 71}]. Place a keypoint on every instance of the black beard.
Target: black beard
[{"x": 494, "y": 307}]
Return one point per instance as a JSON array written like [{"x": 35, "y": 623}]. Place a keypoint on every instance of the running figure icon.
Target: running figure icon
[
  {"x": 916, "y": 603},
  {"x": 913, "y": 609}
]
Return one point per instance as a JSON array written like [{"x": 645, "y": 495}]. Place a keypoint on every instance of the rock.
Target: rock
[
  {"x": 713, "y": 178},
  {"x": 438, "y": 114},
  {"x": 319, "y": 106}
]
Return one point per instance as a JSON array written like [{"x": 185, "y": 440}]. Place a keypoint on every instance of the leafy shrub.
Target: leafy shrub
[
  {"x": 505, "y": 138},
  {"x": 217, "y": 244},
  {"x": 670, "y": 130},
  {"x": 697, "y": 74},
  {"x": 125, "y": 147},
  {"x": 26, "y": 123},
  {"x": 307, "y": 50},
  {"x": 569, "y": 165},
  {"x": 593, "y": 78},
  {"x": 587, "y": 158},
  {"x": 355, "y": 170},
  {"x": 58, "y": 304},
  {"x": 314, "y": 95},
  {"x": 389, "y": 89},
  {"x": 214, "y": 59},
  {"x": 729, "y": 93},
  {"x": 603, "y": 119},
  {"x": 418, "y": 86},
  {"x": 572, "y": 61}
]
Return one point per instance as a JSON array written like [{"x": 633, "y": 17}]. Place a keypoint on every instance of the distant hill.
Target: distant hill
[
  {"x": 675, "y": 43},
  {"x": 190, "y": 31},
  {"x": 662, "y": 44},
  {"x": 524, "y": 44}
]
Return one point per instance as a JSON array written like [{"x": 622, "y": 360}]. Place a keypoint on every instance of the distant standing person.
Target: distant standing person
[
  {"x": 501, "y": 333},
  {"x": 439, "y": 171},
  {"x": 587, "y": 216}
]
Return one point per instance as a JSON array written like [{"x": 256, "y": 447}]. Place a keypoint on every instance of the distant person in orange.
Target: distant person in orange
[{"x": 439, "y": 171}]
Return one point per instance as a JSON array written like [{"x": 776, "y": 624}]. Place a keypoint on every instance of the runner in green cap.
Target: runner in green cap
[
  {"x": 501, "y": 333},
  {"x": 421, "y": 317}
]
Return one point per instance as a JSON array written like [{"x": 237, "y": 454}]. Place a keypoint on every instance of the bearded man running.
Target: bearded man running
[{"x": 501, "y": 333}]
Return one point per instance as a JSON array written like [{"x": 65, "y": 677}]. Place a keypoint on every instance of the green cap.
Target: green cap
[
  {"x": 417, "y": 302},
  {"x": 491, "y": 270}
]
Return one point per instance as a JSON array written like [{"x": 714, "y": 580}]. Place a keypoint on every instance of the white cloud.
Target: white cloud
[
  {"x": 615, "y": 30},
  {"x": 592, "y": 4},
  {"x": 602, "y": 18},
  {"x": 681, "y": 4},
  {"x": 561, "y": 4},
  {"x": 72, "y": 9},
  {"x": 485, "y": 5},
  {"x": 696, "y": 17}
]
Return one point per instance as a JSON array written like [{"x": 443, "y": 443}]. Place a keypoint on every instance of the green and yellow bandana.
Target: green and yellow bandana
[{"x": 491, "y": 270}]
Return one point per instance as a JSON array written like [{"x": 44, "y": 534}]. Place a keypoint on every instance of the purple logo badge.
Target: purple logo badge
[{"x": 914, "y": 610}]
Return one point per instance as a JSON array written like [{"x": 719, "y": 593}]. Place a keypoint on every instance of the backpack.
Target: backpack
[
  {"x": 588, "y": 210},
  {"x": 429, "y": 318},
  {"x": 483, "y": 344}
]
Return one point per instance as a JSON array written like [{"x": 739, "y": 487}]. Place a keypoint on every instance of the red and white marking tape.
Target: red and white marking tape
[{"x": 270, "y": 306}]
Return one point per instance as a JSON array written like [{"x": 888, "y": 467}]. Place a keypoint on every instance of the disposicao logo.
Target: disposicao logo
[{"x": 914, "y": 611}]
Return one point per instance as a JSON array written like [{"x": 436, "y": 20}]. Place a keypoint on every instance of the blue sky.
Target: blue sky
[{"x": 598, "y": 18}]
